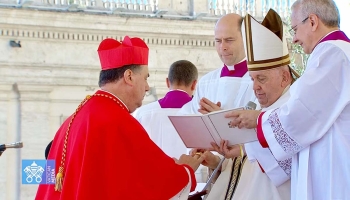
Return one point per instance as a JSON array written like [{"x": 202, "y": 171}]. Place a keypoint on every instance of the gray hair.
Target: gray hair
[{"x": 326, "y": 10}]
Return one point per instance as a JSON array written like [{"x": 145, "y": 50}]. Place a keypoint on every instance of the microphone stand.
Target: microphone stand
[
  {"x": 198, "y": 195},
  {"x": 3, "y": 147}
]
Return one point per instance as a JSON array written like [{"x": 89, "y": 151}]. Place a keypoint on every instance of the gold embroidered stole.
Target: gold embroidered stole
[{"x": 237, "y": 167}]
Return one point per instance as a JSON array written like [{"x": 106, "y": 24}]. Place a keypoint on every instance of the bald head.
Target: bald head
[
  {"x": 231, "y": 19},
  {"x": 228, "y": 39}
]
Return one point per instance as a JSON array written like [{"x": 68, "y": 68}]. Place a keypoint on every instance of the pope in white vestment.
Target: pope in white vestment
[
  {"x": 232, "y": 86},
  {"x": 253, "y": 184},
  {"x": 313, "y": 127}
]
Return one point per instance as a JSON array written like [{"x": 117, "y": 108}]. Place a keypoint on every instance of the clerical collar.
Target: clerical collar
[
  {"x": 233, "y": 67},
  {"x": 240, "y": 69},
  {"x": 116, "y": 97}
]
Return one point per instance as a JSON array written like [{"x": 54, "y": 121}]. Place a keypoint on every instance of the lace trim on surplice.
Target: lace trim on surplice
[
  {"x": 286, "y": 165},
  {"x": 287, "y": 143}
]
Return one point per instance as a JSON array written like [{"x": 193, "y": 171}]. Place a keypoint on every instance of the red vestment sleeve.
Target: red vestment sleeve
[
  {"x": 193, "y": 177},
  {"x": 110, "y": 156},
  {"x": 260, "y": 133}
]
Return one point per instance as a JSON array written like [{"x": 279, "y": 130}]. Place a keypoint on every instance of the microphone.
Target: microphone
[
  {"x": 250, "y": 106},
  {"x": 15, "y": 145}
]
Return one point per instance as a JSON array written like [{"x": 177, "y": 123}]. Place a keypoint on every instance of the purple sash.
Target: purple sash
[
  {"x": 174, "y": 99},
  {"x": 239, "y": 71},
  {"x": 336, "y": 35}
]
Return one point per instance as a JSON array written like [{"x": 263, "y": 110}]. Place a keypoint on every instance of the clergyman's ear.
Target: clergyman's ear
[
  {"x": 128, "y": 77},
  {"x": 167, "y": 82},
  {"x": 314, "y": 20},
  {"x": 193, "y": 86},
  {"x": 285, "y": 78}
]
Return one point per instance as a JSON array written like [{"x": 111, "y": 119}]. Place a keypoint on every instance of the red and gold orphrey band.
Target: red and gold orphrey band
[{"x": 60, "y": 174}]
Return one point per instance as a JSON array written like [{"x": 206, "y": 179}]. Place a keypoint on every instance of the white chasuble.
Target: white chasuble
[
  {"x": 235, "y": 92},
  {"x": 313, "y": 127},
  {"x": 253, "y": 183}
]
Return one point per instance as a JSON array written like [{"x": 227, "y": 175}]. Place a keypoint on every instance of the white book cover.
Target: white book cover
[{"x": 198, "y": 131}]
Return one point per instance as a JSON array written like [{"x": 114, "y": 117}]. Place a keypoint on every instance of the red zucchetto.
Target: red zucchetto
[{"x": 113, "y": 54}]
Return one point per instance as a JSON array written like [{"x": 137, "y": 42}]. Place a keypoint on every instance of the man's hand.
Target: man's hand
[
  {"x": 196, "y": 151},
  {"x": 210, "y": 160},
  {"x": 193, "y": 162},
  {"x": 225, "y": 150},
  {"x": 243, "y": 118},
  {"x": 206, "y": 106}
]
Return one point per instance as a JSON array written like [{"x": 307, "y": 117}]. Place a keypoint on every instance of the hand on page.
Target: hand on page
[
  {"x": 227, "y": 151},
  {"x": 206, "y": 106},
  {"x": 243, "y": 118}
]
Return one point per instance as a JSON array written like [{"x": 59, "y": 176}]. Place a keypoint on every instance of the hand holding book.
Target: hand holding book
[
  {"x": 243, "y": 118},
  {"x": 198, "y": 131}
]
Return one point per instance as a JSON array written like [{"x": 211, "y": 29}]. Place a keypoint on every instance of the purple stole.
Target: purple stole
[
  {"x": 239, "y": 71},
  {"x": 174, "y": 99},
  {"x": 336, "y": 35}
]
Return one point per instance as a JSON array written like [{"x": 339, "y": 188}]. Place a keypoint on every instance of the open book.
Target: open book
[{"x": 198, "y": 131}]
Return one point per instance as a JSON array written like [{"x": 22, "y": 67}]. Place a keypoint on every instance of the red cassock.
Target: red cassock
[{"x": 110, "y": 156}]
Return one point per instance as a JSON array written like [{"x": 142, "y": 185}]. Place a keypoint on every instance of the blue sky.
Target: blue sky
[{"x": 344, "y": 10}]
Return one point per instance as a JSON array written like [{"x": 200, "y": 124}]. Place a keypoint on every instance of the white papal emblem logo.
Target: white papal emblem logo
[{"x": 34, "y": 173}]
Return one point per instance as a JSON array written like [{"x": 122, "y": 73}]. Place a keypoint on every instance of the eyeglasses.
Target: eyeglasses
[{"x": 293, "y": 30}]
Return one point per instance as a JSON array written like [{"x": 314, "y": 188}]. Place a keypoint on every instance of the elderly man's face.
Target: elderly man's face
[
  {"x": 268, "y": 86},
  {"x": 301, "y": 29}
]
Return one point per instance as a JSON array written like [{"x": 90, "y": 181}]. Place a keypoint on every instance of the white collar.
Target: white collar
[{"x": 233, "y": 67}]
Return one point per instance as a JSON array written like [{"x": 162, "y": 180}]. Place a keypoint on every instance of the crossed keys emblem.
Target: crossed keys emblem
[{"x": 34, "y": 171}]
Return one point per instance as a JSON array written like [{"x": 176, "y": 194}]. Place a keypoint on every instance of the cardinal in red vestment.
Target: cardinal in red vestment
[{"x": 102, "y": 152}]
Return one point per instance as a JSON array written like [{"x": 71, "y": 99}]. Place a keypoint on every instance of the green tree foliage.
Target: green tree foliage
[{"x": 297, "y": 55}]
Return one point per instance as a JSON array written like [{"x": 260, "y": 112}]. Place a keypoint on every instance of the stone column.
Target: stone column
[
  {"x": 178, "y": 6},
  {"x": 199, "y": 7},
  {"x": 13, "y": 177}
]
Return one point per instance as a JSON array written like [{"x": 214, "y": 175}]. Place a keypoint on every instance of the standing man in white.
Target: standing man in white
[
  {"x": 262, "y": 177},
  {"x": 229, "y": 84},
  {"x": 313, "y": 126},
  {"x": 181, "y": 81}
]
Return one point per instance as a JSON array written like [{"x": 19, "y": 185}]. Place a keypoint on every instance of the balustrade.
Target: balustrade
[{"x": 212, "y": 9}]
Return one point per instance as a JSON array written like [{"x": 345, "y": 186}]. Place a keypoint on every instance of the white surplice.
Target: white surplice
[
  {"x": 235, "y": 92},
  {"x": 314, "y": 126},
  {"x": 160, "y": 129},
  {"x": 254, "y": 184}
]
